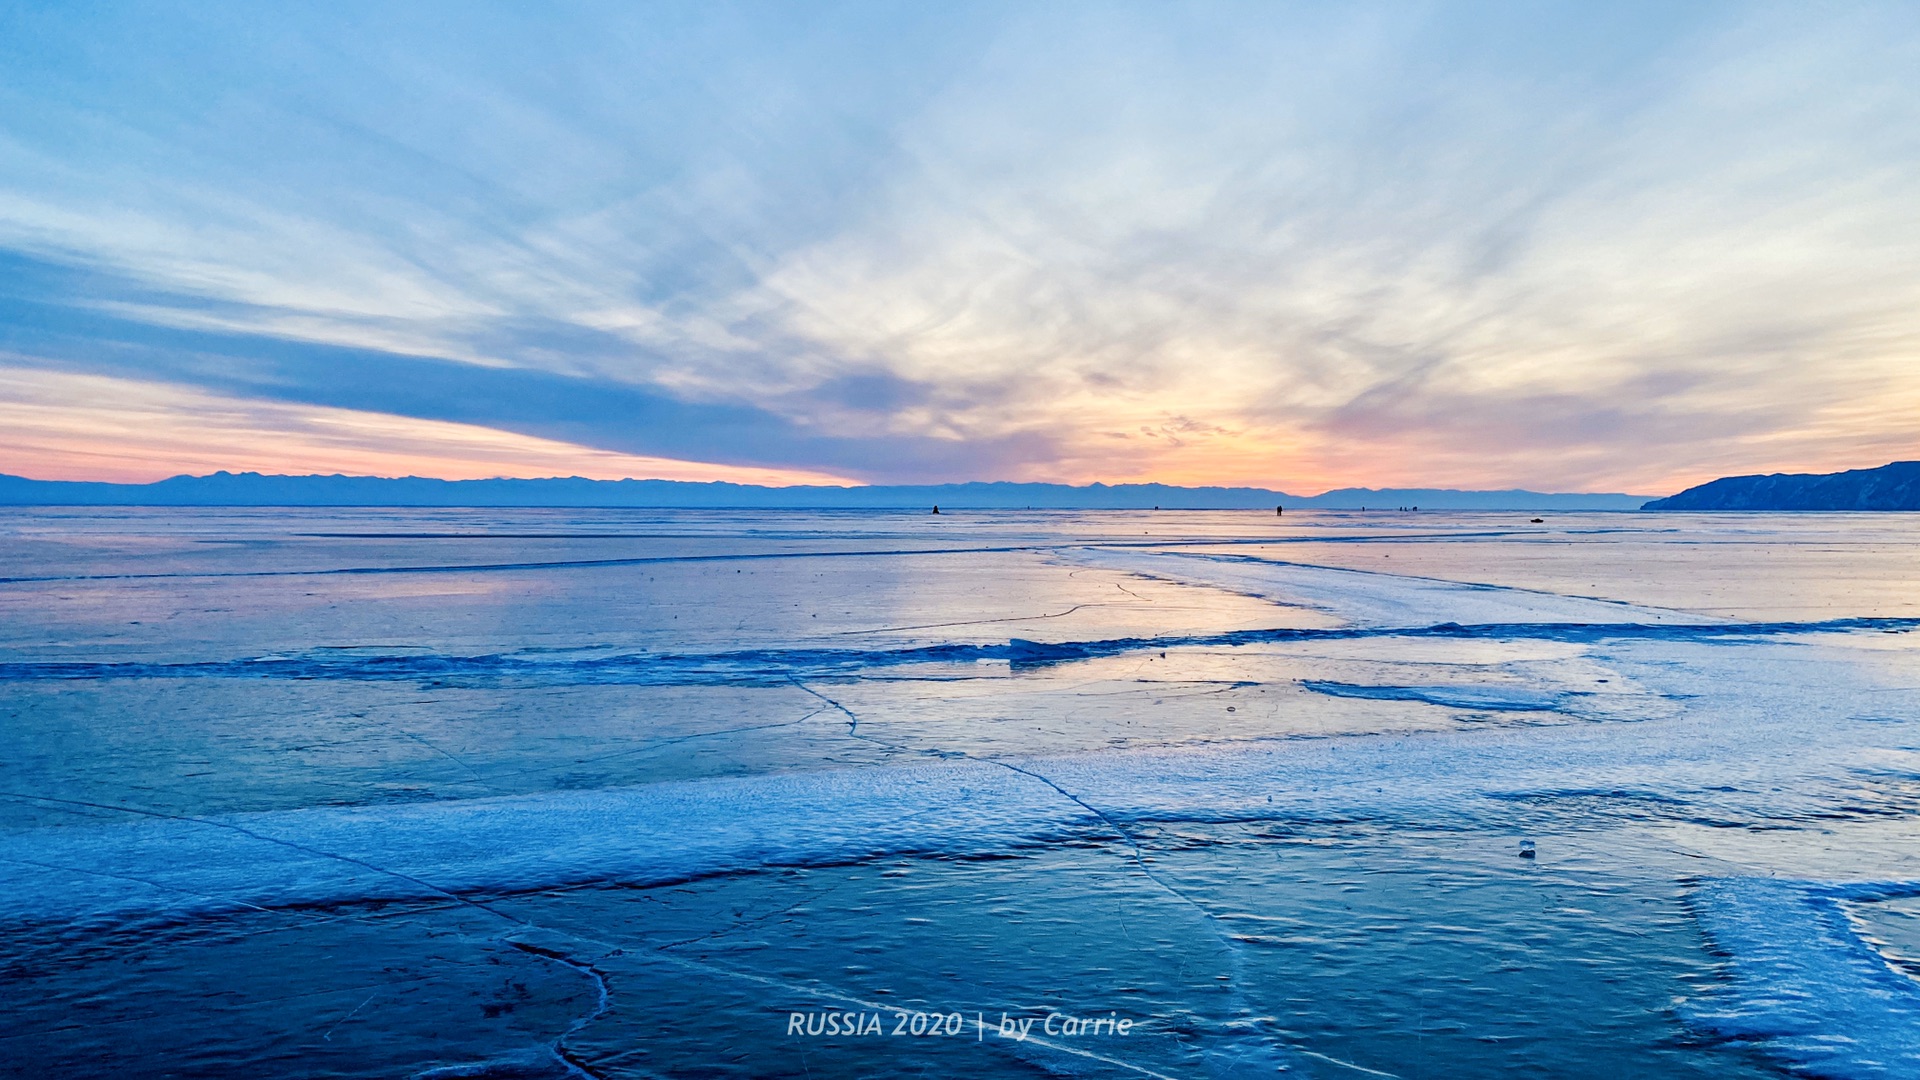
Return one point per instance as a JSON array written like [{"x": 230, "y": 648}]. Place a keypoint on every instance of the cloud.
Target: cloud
[
  {"x": 41, "y": 329},
  {"x": 1287, "y": 245},
  {"x": 65, "y": 426}
]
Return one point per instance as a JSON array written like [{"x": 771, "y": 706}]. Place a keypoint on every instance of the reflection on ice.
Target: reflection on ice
[{"x": 1368, "y": 598}]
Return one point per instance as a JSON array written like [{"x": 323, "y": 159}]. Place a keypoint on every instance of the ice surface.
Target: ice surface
[
  {"x": 1805, "y": 982},
  {"x": 675, "y": 831},
  {"x": 612, "y": 793}
]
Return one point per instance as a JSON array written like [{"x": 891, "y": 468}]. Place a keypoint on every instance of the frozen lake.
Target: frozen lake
[{"x": 616, "y": 793}]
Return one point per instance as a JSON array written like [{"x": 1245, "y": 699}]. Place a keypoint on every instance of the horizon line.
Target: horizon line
[{"x": 847, "y": 487}]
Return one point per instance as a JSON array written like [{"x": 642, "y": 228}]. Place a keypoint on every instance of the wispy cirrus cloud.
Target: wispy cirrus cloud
[{"x": 1297, "y": 246}]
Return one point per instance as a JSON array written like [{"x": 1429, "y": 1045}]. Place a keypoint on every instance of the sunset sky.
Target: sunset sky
[{"x": 1567, "y": 247}]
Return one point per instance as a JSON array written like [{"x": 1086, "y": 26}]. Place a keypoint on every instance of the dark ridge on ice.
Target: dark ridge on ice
[
  {"x": 1585, "y": 794},
  {"x": 766, "y": 667},
  {"x": 1889, "y": 487},
  {"x": 1491, "y": 698},
  {"x": 254, "y": 489}
]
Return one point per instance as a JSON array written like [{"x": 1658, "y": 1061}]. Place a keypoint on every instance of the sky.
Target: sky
[{"x": 1601, "y": 247}]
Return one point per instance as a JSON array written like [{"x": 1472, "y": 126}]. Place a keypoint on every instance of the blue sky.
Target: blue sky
[{"x": 1301, "y": 246}]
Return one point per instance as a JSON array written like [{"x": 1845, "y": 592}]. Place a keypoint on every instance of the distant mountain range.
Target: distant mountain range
[
  {"x": 1889, "y": 487},
  {"x": 254, "y": 489}
]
